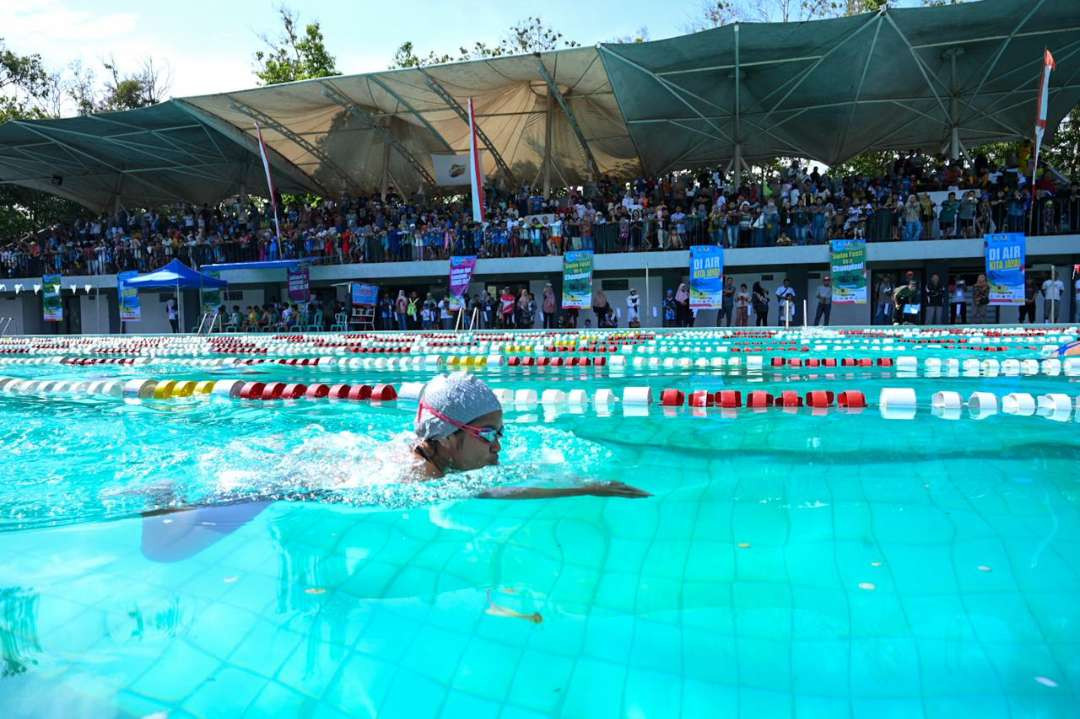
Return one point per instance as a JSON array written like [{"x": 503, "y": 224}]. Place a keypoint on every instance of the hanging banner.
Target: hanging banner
[
  {"x": 210, "y": 297},
  {"x": 577, "y": 279},
  {"x": 1005, "y": 267},
  {"x": 451, "y": 169},
  {"x": 51, "y": 302},
  {"x": 461, "y": 271},
  {"x": 299, "y": 283},
  {"x": 848, "y": 269},
  {"x": 130, "y": 311},
  {"x": 706, "y": 277}
]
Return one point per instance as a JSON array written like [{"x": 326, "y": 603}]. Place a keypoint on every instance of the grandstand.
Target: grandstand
[{"x": 683, "y": 121}]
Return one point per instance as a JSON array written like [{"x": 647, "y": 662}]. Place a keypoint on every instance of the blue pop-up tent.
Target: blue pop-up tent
[{"x": 178, "y": 275}]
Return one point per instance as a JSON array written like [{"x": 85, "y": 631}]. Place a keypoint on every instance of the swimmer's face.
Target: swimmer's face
[{"x": 467, "y": 451}]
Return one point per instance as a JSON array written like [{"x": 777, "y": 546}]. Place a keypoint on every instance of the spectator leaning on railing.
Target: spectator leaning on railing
[{"x": 795, "y": 206}]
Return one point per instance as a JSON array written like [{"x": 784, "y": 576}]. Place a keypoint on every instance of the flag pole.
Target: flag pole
[
  {"x": 1040, "y": 126},
  {"x": 269, "y": 183}
]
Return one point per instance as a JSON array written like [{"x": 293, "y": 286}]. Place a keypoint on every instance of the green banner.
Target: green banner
[
  {"x": 51, "y": 302},
  {"x": 848, "y": 266},
  {"x": 577, "y": 279},
  {"x": 210, "y": 297}
]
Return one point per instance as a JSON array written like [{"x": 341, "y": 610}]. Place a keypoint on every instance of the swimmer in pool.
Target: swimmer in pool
[{"x": 459, "y": 425}]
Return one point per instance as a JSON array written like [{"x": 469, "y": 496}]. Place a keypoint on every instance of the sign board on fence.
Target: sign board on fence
[
  {"x": 130, "y": 311},
  {"x": 461, "y": 271},
  {"x": 299, "y": 283},
  {"x": 210, "y": 297},
  {"x": 577, "y": 279},
  {"x": 706, "y": 277},
  {"x": 364, "y": 295},
  {"x": 53, "y": 306},
  {"x": 848, "y": 268},
  {"x": 1005, "y": 267}
]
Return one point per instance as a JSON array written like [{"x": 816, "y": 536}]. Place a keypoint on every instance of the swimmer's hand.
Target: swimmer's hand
[
  {"x": 597, "y": 489},
  {"x": 616, "y": 489}
]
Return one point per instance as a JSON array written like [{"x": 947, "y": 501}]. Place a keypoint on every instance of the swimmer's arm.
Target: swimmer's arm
[{"x": 598, "y": 489}]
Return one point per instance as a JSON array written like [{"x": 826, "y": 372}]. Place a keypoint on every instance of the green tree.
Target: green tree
[
  {"x": 121, "y": 90},
  {"x": 25, "y": 84},
  {"x": 525, "y": 36},
  {"x": 27, "y": 92},
  {"x": 296, "y": 54}
]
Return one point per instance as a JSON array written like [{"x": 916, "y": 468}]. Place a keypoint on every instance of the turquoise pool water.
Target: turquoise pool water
[{"x": 786, "y": 565}]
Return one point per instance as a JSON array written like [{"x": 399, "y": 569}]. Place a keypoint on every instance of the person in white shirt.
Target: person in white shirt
[
  {"x": 1076, "y": 300},
  {"x": 445, "y": 316},
  {"x": 171, "y": 313},
  {"x": 1052, "y": 289},
  {"x": 633, "y": 303},
  {"x": 824, "y": 301},
  {"x": 785, "y": 294}
]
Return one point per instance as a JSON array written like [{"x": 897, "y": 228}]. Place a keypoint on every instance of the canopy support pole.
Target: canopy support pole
[
  {"x": 385, "y": 172},
  {"x": 278, "y": 161},
  {"x": 676, "y": 91},
  {"x": 547, "y": 145},
  {"x": 1004, "y": 45},
  {"x": 74, "y": 151},
  {"x": 842, "y": 140},
  {"x": 269, "y": 122},
  {"x": 388, "y": 138},
  {"x": 738, "y": 129},
  {"x": 460, "y": 111},
  {"x": 810, "y": 70},
  {"x": 412, "y": 110},
  {"x": 955, "y": 148},
  {"x": 553, "y": 91}
]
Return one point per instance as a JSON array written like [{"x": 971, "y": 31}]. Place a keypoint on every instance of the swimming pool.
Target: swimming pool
[{"x": 816, "y": 562}]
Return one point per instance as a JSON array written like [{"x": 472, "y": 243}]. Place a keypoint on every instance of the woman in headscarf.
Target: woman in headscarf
[
  {"x": 524, "y": 315},
  {"x": 759, "y": 300},
  {"x": 548, "y": 307},
  {"x": 682, "y": 305},
  {"x": 980, "y": 298},
  {"x": 600, "y": 306},
  {"x": 401, "y": 309}
]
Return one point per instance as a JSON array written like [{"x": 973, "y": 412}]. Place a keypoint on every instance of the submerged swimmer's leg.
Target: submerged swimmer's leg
[
  {"x": 498, "y": 611},
  {"x": 596, "y": 489}
]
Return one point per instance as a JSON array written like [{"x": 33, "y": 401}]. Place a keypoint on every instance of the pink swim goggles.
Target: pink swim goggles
[{"x": 485, "y": 434}]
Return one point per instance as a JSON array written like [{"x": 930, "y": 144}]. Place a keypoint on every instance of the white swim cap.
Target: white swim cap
[{"x": 460, "y": 397}]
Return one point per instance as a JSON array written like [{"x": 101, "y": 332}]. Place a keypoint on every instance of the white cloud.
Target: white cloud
[
  {"x": 46, "y": 24},
  {"x": 63, "y": 35}
]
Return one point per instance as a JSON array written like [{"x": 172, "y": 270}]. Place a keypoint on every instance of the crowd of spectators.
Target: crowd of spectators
[{"x": 794, "y": 206}]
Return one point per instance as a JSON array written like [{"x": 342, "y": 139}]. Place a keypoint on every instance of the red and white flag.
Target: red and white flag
[
  {"x": 1044, "y": 100},
  {"x": 269, "y": 180},
  {"x": 477, "y": 178}
]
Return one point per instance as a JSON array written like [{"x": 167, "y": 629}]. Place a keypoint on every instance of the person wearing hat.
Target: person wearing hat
[
  {"x": 459, "y": 427},
  {"x": 633, "y": 306},
  {"x": 824, "y": 301},
  {"x": 548, "y": 306}
]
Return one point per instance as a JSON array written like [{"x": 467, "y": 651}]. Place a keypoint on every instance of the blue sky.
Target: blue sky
[{"x": 208, "y": 45}]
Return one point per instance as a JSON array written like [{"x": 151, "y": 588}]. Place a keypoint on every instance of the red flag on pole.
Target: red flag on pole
[
  {"x": 1044, "y": 102},
  {"x": 1044, "y": 92},
  {"x": 269, "y": 180},
  {"x": 1040, "y": 124},
  {"x": 477, "y": 179}
]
